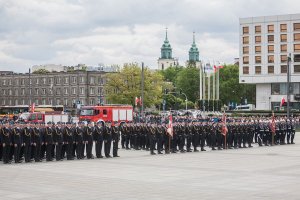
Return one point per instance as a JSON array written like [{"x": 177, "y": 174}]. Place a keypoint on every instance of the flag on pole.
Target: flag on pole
[
  {"x": 32, "y": 107},
  {"x": 170, "y": 126},
  {"x": 138, "y": 101},
  {"x": 282, "y": 102},
  {"x": 224, "y": 126},
  {"x": 273, "y": 125}
]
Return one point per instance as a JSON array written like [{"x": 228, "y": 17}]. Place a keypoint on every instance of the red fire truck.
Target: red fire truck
[{"x": 113, "y": 113}]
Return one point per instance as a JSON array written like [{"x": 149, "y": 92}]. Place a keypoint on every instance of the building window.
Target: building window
[
  {"x": 296, "y": 26},
  {"x": 92, "y": 102},
  {"x": 246, "y": 50},
  {"x": 4, "y": 82},
  {"x": 43, "y": 91},
  {"x": 66, "y": 102},
  {"x": 257, "y": 49},
  {"x": 257, "y": 69},
  {"x": 58, "y": 91},
  {"x": 66, "y": 80},
  {"x": 246, "y": 30},
  {"x": 270, "y": 38},
  {"x": 57, "y": 101},
  {"x": 297, "y": 47},
  {"x": 296, "y": 57},
  {"x": 57, "y": 80},
  {"x": 296, "y": 68},
  {"x": 271, "y": 28},
  {"x": 92, "y": 80},
  {"x": 44, "y": 80},
  {"x": 10, "y": 92},
  {"x": 99, "y": 90},
  {"x": 23, "y": 81},
  {"x": 246, "y": 40},
  {"x": 257, "y": 59},
  {"x": 283, "y": 27},
  {"x": 36, "y": 91},
  {"x": 50, "y": 91},
  {"x": 74, "y": 79},
  {"x": 23, "y": 91},
  {"x": 9, "y": 82},
  {"x": 17, "y": 82},
  {"x": 271, "y": 59},
  {"x": 100, "y": 81},
  {"x": 37, "y": 81},
  {"x": 92, "y": 90},
  {"x": 270, "y": 48},
  {"x": 82, "y": 79},
  {"x": 257, "y": 29},
  {"x": 296, "y": 37},
  {"x": 283, "y": 69},
  {"x": 257, "y": 39},
  {"x": 275, "y": 88},
  {"x": 283, "y": 48},
  {"x": 43, "y": 101},
  {"x": 66, "y": 92},
  {"x": 283, "y": 58},
  {"x": 81, "y": 90},
  {"x": 50, "y": 80},
  {"x": 245, "y": 70},
  {"x": 73, "y": 90},
  {"x": 246, "y": 60},
  {"x": 271, "y": 69},
  {"x": 283, "y": 38}
]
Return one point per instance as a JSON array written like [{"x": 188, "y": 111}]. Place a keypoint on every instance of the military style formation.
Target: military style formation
[
  {"x": 190, "y": 134},
  {"x": 37, "y": 142}
]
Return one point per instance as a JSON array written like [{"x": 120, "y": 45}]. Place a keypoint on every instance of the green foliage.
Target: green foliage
[
  {"x": 188, "y": 80},
  {"x": 40, "y": 71},
  {"x": 170, "y": 74},
  {"x": 124, "y": 86},
  {"x": 230, "y": 88}
]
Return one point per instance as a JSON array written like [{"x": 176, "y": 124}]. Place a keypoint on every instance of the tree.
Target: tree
[
  {"x": 188, "y": 81},
  {"x": 122, "y": 87},
  {"x": 170, "y": 74},
  {"x": 40, "y": 71},
  {"x": 230, "y": 88}
]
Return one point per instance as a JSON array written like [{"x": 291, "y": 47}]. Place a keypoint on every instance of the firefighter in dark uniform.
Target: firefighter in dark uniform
[
  {"x": 27, "y": 140},
  {"x": 17, "y": 141},
  {"x": 293, "y": 127},
  {"x": 98, "y": 138},
  {"x": 49, "y": 142},
  {"x": 6, "y": 139},
  {"x": 88, "y": 140},
  {"x": 152, "y": 139},
  {"x": 115, "y": 138},
  {"x": 43, "y": 146},
  {"x": 68, "y": 139},
  {"x": 79, "y": 140},
  {"x": 37, "y": 142},
  {"x": 107, "y": 139},
  {"x": 58, "y": 141},
  {"x": 159, "y": 138},
  {"x": 188, "y": 135},
  {"x": 195, "y": 136}
]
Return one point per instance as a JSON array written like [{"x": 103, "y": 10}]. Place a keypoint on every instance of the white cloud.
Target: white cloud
[{"x": 69, "y": 32}]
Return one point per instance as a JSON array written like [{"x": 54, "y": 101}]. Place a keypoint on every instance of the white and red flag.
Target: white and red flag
[
  {"x": 224, "y": 126},
  {"x": 32, "y": 107},
  {"x": 170, "y": 126},
  {"x": 282, "y": 102},
  {"x": 138, "y": 101}
]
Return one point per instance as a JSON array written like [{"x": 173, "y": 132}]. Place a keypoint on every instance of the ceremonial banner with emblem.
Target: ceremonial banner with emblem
[{"x": 170, "y": 126}]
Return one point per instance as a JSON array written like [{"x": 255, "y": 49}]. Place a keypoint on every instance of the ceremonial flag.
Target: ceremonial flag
[
  {"x": 32, "y": 107},
  {"x": 273, "y": 126},
  {"x": 224, "y": 126},
  {"x": 282, "y": 102},
  {"x": 138, "y": 101},
  {"x": 170, "y": 126}
]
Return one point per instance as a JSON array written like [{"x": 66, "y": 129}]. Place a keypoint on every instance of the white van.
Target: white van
[{"x": 247, "y": 107}]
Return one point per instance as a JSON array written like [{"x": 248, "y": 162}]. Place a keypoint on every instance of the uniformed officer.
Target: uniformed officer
[
  {"x": 98, "y": 137},
  {"x": 6, "y": 139},
  {"x": 107, "y": 139},
  {"x": 88, "y": 140},
  {"x": 115, "y": 138},
  {"x": 37, "y": 142},
  {"x": 49, "y": 141},
  {"x": 17, "y": 141},
  {"x": 58, "y": 141}
]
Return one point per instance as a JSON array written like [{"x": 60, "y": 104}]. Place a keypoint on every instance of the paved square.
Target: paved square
[{"x": 256, "y": 173}]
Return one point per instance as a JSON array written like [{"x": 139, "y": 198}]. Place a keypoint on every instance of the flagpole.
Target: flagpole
[
  {"x": 208, "y": 97},
  {"x": 214, "y": 86},
  {"x": 218, "y": 86},
  {"x": 204, "y": 88},
  {"x": 200, "y": 86}
]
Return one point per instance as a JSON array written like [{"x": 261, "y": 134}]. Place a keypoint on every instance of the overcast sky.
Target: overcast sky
[{"x": 69, "y": 32}]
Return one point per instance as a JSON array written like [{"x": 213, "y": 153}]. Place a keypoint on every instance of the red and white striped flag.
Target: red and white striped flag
[
  {"x": 170, "y": 126},
  {"x": 32, "y": 107}
]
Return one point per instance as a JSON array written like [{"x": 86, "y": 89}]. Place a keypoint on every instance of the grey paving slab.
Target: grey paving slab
[{"x": 256, "y": 173}]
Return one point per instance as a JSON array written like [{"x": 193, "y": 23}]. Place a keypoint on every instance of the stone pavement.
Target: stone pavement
[{"x": 256, "y": 173}]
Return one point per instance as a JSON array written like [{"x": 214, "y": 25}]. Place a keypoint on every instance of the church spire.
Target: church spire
[
  {"x": 194, "y": 52},
  {"x": 166, "y": 50},
  {"x": 166, "y": 34}
]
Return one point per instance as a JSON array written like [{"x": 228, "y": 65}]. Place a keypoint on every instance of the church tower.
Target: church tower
[
  {"x": 194, "y": 54},
  {"x": 166, "y": 60}
]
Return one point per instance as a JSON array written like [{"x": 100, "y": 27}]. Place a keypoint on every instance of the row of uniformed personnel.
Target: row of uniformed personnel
[
  {"x": 35, "y": 142},
  {"x": 200, "y": 134}
]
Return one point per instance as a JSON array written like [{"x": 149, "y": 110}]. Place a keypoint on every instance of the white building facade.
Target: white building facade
[{"x": 265, "y": 44}]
